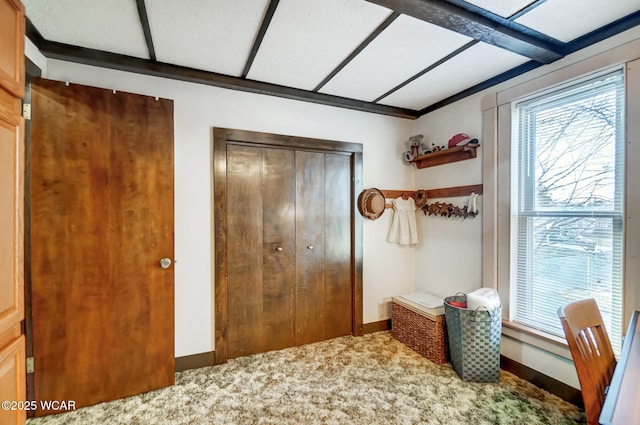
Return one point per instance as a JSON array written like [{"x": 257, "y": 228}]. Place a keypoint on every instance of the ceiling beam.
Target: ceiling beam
[
  {"x": 32, "y": 32},
  {"x": 604, "y": 32},
  {"x": 427, "y": 69},
  {"x": 526, "y": 9},
  {"x": 266, "y": 21},
  {"x": 505, "y": 76},
  {"x": 510, "y": 22},
  {"x": 144, "y": 20},
  {"x": 359, "y": 49},
  {"x": 596, "y": 36},
  {"x": 66, "y": 52},
  {"x": 478, "y": 27}
]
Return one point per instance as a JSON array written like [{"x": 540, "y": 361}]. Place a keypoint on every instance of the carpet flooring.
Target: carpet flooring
[{"x": 366, "y": 380}]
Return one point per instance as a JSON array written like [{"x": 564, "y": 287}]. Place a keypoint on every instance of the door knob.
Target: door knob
[
  {"x": 279, "y": 249},
  {"x": 165, "y": 263},
  {"x": 309, "y": 246}
]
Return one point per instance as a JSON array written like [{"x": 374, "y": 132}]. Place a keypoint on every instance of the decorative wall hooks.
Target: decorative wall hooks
[
  {"x": 440, "y": 208},
  {"x": 448, "y": 210}
]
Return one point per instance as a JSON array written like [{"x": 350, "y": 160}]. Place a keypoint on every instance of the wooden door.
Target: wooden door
[
  {"x": 323, "y": 246},
  {"x": 12, "y": 343},
  {"x": 261, "y": 247},
  {"x": 338, "y": 267},
  {"x": 101, "y": 219},
  {"x": 310, "y": 198},
  {"x": 287, "y": 269}
]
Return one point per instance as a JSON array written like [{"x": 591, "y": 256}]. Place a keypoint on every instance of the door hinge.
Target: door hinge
[
  {"x": 30, "y": 366},
  {"x": 26, "y": 111}
]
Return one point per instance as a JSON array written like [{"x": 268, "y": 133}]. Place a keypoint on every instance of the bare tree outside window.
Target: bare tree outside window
[{"x": 569, "y": 192}]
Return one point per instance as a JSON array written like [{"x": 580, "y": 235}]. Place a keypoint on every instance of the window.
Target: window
[{"x": 567, "y": 206}]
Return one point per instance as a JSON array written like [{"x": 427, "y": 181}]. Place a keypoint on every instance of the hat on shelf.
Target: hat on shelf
[
  {"x": 461, "y": 139},
  {"x": 371, "y": 203}
]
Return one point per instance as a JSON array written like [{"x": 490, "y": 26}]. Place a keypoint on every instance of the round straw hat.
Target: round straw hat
[{"x": 371, "y": 203}]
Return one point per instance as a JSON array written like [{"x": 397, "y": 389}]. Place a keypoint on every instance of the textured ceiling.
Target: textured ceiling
[
  {"x": 307, "y": 39},
  {"x": 395, "y": 57},
  {"x": 112, "y": 25},
  {"x": 213, "y": 36}
]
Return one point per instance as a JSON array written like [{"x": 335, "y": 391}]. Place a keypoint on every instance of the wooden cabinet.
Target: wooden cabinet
[
  {"x": 12, "y": 47},
  {"x": 12, "y": 344},
  {"x": 12, "y": 382},
  {"x": 11, "y": 211}
]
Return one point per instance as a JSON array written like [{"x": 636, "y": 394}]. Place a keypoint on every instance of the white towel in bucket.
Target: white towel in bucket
[{"x": 483, "y": 297}]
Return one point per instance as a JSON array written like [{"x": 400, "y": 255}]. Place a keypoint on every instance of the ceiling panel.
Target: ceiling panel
[
  {"x": 405, "y": 48},
  {"x": 567, "y": 20},
  {"x": 476, "y": 64},
  {"x": 504, "y": 8},
  {"x": 307, "y": 39},
  {"x": 112, "y": 26},
  {"x": 213, "y": 35}
]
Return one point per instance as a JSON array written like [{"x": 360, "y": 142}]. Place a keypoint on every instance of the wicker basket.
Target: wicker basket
[{"x": 423, "y": 334}]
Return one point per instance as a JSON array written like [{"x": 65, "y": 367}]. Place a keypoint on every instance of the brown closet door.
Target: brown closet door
[
  {"x": 101, "y": 219},
  {"x": 323, "y": 241},
  {"x": 337, "y": 246},
  {"x": 261, "y": 249},
  {"x": 310, "y": 207},
  {"x": 288, "y": 251}
]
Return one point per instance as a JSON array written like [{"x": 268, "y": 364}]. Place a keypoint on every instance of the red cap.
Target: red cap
[{"x": 461, "y": 139}]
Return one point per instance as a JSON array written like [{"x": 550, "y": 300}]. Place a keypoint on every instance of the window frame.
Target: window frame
[
  {"x": 524, "y": 205},
  {"x": 497, "y": 209}
]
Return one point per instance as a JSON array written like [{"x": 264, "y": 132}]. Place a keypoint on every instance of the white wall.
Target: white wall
[
  {"x": 388, "y": 270},
  {"x": 451, "y": 258}
]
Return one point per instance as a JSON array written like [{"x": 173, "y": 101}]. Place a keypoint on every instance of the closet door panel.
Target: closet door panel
[
  {"x": 245, "y": 227},
  {"x": 337, "y": 248},
  {"x": 278, "y": 193},
  {"x": 310, "y": 198},
  {"x": 288, "y": 254}
]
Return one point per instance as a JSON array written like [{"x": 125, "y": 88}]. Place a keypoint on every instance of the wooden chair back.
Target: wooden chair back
[{"x": 591, "y": 351}]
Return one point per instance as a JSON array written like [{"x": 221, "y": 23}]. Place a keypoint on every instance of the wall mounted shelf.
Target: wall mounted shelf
[{"x": 445, "y": 156}]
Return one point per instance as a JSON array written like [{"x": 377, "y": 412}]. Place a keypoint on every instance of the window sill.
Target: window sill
[{"x": 536, "y": 338}]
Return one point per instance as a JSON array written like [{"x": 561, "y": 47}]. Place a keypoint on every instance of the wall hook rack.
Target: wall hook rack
[
  {"x": 448, "y": 210},
  {"x": 437, "y": 208}
]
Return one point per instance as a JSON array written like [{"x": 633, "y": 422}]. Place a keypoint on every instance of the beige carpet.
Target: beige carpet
[{"x": 351, "y": 380}]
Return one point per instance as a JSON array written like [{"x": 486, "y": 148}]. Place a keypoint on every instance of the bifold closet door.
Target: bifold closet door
[
  {"x": 289, "y": 248},
  {"x": 338, "y": 313},
  {"x": 261, "y": 247},
  {"x": 323, "y": 244}
]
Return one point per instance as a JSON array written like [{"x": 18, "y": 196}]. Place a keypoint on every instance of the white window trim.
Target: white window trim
[{"x": 496, "y": 217}]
